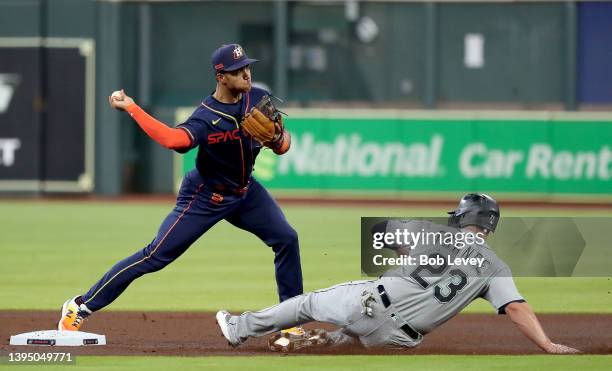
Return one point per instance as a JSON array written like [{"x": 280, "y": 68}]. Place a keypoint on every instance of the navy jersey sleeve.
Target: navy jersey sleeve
[
  {"x": 196, "y": 128},
  {"x": 256, "y": 94},
  {"x": 259, "y": 91}
]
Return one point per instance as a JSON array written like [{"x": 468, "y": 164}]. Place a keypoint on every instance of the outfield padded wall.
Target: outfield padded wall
[{"x": 396, "y": 153}]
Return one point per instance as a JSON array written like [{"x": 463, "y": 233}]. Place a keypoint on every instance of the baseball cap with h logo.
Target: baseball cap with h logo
[{"x": 230, "y": 57}]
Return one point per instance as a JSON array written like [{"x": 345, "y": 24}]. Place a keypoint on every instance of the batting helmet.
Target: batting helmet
[{"x": 475, "y": 209}]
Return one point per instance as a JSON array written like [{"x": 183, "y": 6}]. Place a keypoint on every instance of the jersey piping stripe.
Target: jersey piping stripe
[
  {"x": 241, "y": 150},
  {"x": 248, "y": 104},
  {"x": 237, "y": 127},
  {"x": 154, "y": 250},
  {"x": 222, "y": 114},
  {"x": 242, "y": 160},
  {"x": 189, "y": 134}
]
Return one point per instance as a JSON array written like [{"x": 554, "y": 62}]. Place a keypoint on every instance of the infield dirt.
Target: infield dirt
[{"x": 196, "y": 334}]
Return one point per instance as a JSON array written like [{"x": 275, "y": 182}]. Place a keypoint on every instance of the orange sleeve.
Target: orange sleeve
[
  {"x": 171, "y": 138},
  {"x": 283, "y": 144}
]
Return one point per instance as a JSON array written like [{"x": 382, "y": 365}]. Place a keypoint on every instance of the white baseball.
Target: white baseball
[{"x": 117, "y": 95}]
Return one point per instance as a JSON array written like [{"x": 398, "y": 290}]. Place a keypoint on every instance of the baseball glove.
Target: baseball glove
[{"x": 264, "y": 122}]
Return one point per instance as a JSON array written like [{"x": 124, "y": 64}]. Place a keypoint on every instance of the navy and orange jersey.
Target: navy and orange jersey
[{"x": 226, "y": 155}]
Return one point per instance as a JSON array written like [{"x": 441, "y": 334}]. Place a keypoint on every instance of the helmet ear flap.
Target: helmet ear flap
[{"x": 453, "y": 220}]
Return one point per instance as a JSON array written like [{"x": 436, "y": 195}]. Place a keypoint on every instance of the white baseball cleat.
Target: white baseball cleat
[{"x": 223, "y": 317}]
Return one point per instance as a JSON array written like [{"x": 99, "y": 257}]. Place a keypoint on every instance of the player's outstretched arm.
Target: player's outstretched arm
[
  {"x": 168, "y": 137},
  {"x": 525, "y": 319}
]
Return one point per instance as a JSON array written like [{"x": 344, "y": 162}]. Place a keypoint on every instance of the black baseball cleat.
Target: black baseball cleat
[{"x": 284, "y": 342}]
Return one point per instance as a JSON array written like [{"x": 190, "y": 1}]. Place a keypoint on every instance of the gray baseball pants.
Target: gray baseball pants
[{"x": 340, "y": 305}]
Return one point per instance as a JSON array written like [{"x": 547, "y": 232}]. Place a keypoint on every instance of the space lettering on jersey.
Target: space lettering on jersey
[{"x": 223, "y": 136}]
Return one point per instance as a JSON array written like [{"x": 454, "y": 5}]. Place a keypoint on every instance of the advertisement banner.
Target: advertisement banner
[
  {"x": 397, "y": 155},
  {"x": 46, "y": 114},
  {"x": 20, "y": 124}
]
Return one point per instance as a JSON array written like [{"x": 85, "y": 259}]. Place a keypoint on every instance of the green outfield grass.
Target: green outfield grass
[
  {"x": 54, "y": 250},
  {"x": 421, "y": 363}
]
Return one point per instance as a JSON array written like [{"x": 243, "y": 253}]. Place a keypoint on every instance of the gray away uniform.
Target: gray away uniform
[{"x": 406, "y": 303}]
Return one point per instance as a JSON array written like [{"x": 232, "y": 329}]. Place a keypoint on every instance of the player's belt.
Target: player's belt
[
  {"x": 221, "y": 188},
  {"x": 383, "y": 296},
  {"x": 386, "y": 302}
]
